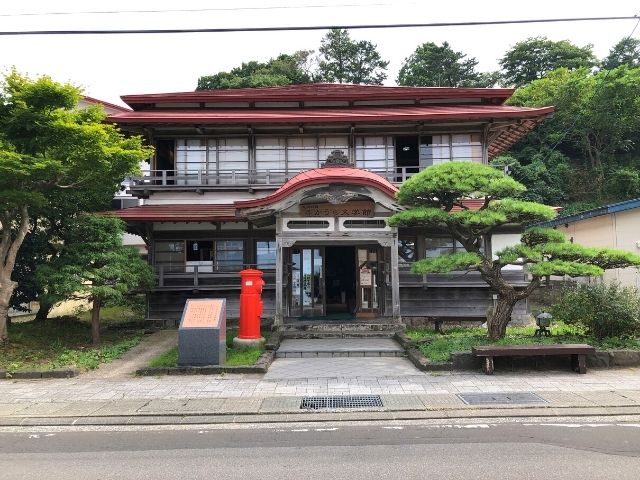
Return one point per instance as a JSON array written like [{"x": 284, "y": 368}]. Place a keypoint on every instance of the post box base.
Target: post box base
[{"x": 248, "y": 342}]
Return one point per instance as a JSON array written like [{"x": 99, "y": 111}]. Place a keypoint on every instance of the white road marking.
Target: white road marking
[
  {"x": 326, "y": 429},
  {"x": 300, "y": 430},
  {"x": 34, "y": 435},
  {"x": 393, "y": 428}
]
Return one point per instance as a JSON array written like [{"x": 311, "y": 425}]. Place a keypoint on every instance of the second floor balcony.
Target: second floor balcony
[{"x": 268, "y": 162}]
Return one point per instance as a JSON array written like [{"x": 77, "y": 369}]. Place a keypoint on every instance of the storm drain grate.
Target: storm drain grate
[
  {"x": 347, "y": 401},
  {"x": 500, "y": 398}
]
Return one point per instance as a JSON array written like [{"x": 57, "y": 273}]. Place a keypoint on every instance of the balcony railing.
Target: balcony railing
[
  {"x": 208, "y": 177},
  {"x": 193, "y": 277}
]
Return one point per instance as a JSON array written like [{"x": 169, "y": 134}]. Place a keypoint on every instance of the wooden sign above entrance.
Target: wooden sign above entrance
[{"x": 349, "y": 209}]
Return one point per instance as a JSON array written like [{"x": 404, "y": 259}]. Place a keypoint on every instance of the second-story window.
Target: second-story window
[
  {"x": 271, "y": 153},
  {"x": 191, "y": 158},
  {"x": 232, "y": 153},
  {"x": 374, "y": 153},
  {"x": 302, "y": 154},
  {"x": 436, "y": 149}
]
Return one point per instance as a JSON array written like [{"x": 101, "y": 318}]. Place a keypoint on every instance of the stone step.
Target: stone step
[
  {"x": 337, "y": 334},
  {"x": 339, "y": 347}
]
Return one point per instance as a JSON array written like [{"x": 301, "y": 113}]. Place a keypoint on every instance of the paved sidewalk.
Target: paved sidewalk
[{"x": 405, "y": 393}]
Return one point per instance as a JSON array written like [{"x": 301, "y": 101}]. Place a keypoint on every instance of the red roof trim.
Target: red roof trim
[
  {"x": 321, "y": 92},
  {"x": 332, "y": 115},
  {"x": 318, "y": 176},
  {"x": 177, "y": 213}
]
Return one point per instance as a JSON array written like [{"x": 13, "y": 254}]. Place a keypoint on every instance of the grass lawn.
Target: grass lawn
[
  {"x": 438, "y": 346},
  {"x": 235, "y": 357},
  {"x": 63, "y": 342}
]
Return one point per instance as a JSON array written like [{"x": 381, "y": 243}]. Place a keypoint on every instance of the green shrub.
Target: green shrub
[{"x": 603, "y": 310}]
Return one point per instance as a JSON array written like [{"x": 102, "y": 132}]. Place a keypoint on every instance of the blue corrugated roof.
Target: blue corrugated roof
[{"x": 596, "y": 212}]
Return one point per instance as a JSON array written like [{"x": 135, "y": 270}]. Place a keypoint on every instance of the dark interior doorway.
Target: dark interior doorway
[
  {"x": 407, "y": 153},
  {"x": 340, "y": 280},
  {"x": 407, "y": 157}
]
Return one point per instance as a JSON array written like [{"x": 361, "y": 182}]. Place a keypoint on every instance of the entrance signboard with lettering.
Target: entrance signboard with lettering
[{"x": 349, "y": 209}]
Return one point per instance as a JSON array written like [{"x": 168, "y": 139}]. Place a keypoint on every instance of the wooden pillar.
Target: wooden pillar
[
  {"x": 279, "y": 315},
  {"x": 395, "y": 280}
]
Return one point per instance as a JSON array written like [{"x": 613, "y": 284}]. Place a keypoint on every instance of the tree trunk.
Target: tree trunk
[
  {"x": 95, "y": 321},
  {"x": 43, "y": 311},
  {"x": 8, "y": 252},
  {"x": 497, "y": 324},
  {"x": 6, "y": 290}
]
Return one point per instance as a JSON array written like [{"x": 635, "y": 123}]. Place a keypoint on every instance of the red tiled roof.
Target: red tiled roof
[
  {"x": 318, "y": 176},
  {"x": 330, "y": 115},
  {"x": 470, "y": 203},
  {"x": 322, "y": 92},
  {"x": 177, "y": 213}
]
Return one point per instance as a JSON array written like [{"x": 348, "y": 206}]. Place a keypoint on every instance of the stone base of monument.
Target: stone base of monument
[
  {"x": 248, "y": 342},
  {"x": 202, "y": 333}
]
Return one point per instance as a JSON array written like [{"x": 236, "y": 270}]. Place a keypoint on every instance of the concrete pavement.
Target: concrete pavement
[{"x": 228, "y": 398}]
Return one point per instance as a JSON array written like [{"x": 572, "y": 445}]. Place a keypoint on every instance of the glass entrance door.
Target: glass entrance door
[
  {"x": 368, "y": 282},
  {"x": 307, "y": 282}
]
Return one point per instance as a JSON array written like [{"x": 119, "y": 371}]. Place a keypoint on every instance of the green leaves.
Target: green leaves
[
  {"x": 285, "y": 69},
  {"x": 94, "y": 263},
  {"x": 344, "y": 60},
  {"x": 447, "y": 263},
  {"x": 449, "y": 182},
  {"x": 432, "y": 65},
  {"x": 532, "y": 58},
  {"x": 562, "y": 267},
  {"x": 538, "y": 236},
  {"x": 421, "y": 216}
]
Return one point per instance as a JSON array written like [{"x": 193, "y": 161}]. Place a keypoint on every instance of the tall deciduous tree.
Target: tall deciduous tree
[
  {"x": 344, "y": 60},
  {"x": 285, "y": 69},
  {"x": 625, "y": 52},
  {"x": 432, "y": 65},
  {"x": 431, "y": 196},
  {"x": 47, "y": 148},
  {"x": 93, "y": 265},
  {"x": 534, "y": 57},
  {"x": 597, "y": 114}
]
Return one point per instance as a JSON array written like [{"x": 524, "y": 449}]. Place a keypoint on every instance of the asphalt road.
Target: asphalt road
[{"x": 328, "y": 451}]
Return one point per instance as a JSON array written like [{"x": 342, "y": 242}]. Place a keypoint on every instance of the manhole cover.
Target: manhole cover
[
  {"x": 348, "y": 401},
  {"x": 500, "y": 398}
]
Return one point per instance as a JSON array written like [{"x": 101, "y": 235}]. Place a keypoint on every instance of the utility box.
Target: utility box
[{"x": 202, "y": 334}]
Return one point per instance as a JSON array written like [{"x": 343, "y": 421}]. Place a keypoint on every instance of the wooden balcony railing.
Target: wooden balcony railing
[
  {"x": 182, "y": 278},
  {"x": 206, "y": 177}
]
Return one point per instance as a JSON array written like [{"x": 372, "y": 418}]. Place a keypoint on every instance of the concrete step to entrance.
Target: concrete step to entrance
[
  {"x": 354, "y": 329},
  {"x": 339, "y": 347}
]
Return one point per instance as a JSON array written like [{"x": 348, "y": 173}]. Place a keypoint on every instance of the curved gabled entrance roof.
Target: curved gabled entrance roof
[{"x": 323, "y": 176}]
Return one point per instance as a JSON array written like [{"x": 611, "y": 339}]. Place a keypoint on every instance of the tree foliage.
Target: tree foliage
[
  {"x": 625, "y": 52},
  {"x": 594, "y": 133},
  {"x": 603, "y": 310},
  {"x": 93, "y": 265},
  {"x": 285, "y": 69},
  {"x": 344, "y": 60},
  {"x": 51, "y": 154},
  {"x": 533, "y": 58},
  {"x": 435, "y": 200},
  {"x": 432, "y": 65}
]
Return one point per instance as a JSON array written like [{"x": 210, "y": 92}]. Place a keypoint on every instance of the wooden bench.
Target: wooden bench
[{"x": 578, "y": 353}]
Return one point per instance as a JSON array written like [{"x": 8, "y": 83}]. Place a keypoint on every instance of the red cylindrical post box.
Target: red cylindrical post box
[{"x": 250, "y": 308}]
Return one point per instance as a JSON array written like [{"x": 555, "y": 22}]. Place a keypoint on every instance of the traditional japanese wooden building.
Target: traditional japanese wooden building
[{"x": 298, "y": 181}]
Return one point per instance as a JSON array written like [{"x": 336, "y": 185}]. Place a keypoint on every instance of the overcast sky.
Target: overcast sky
[{"x": 110, "y": 66}]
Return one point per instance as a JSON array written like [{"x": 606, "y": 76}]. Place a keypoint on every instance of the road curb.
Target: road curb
[{"x": 311, "y": 417}]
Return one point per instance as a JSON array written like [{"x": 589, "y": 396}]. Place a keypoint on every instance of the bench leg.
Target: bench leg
[
  {"x": 582, "y": 364},
  {"x": 487, "y": 365},
  {"x": 579, "y": 363}
]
